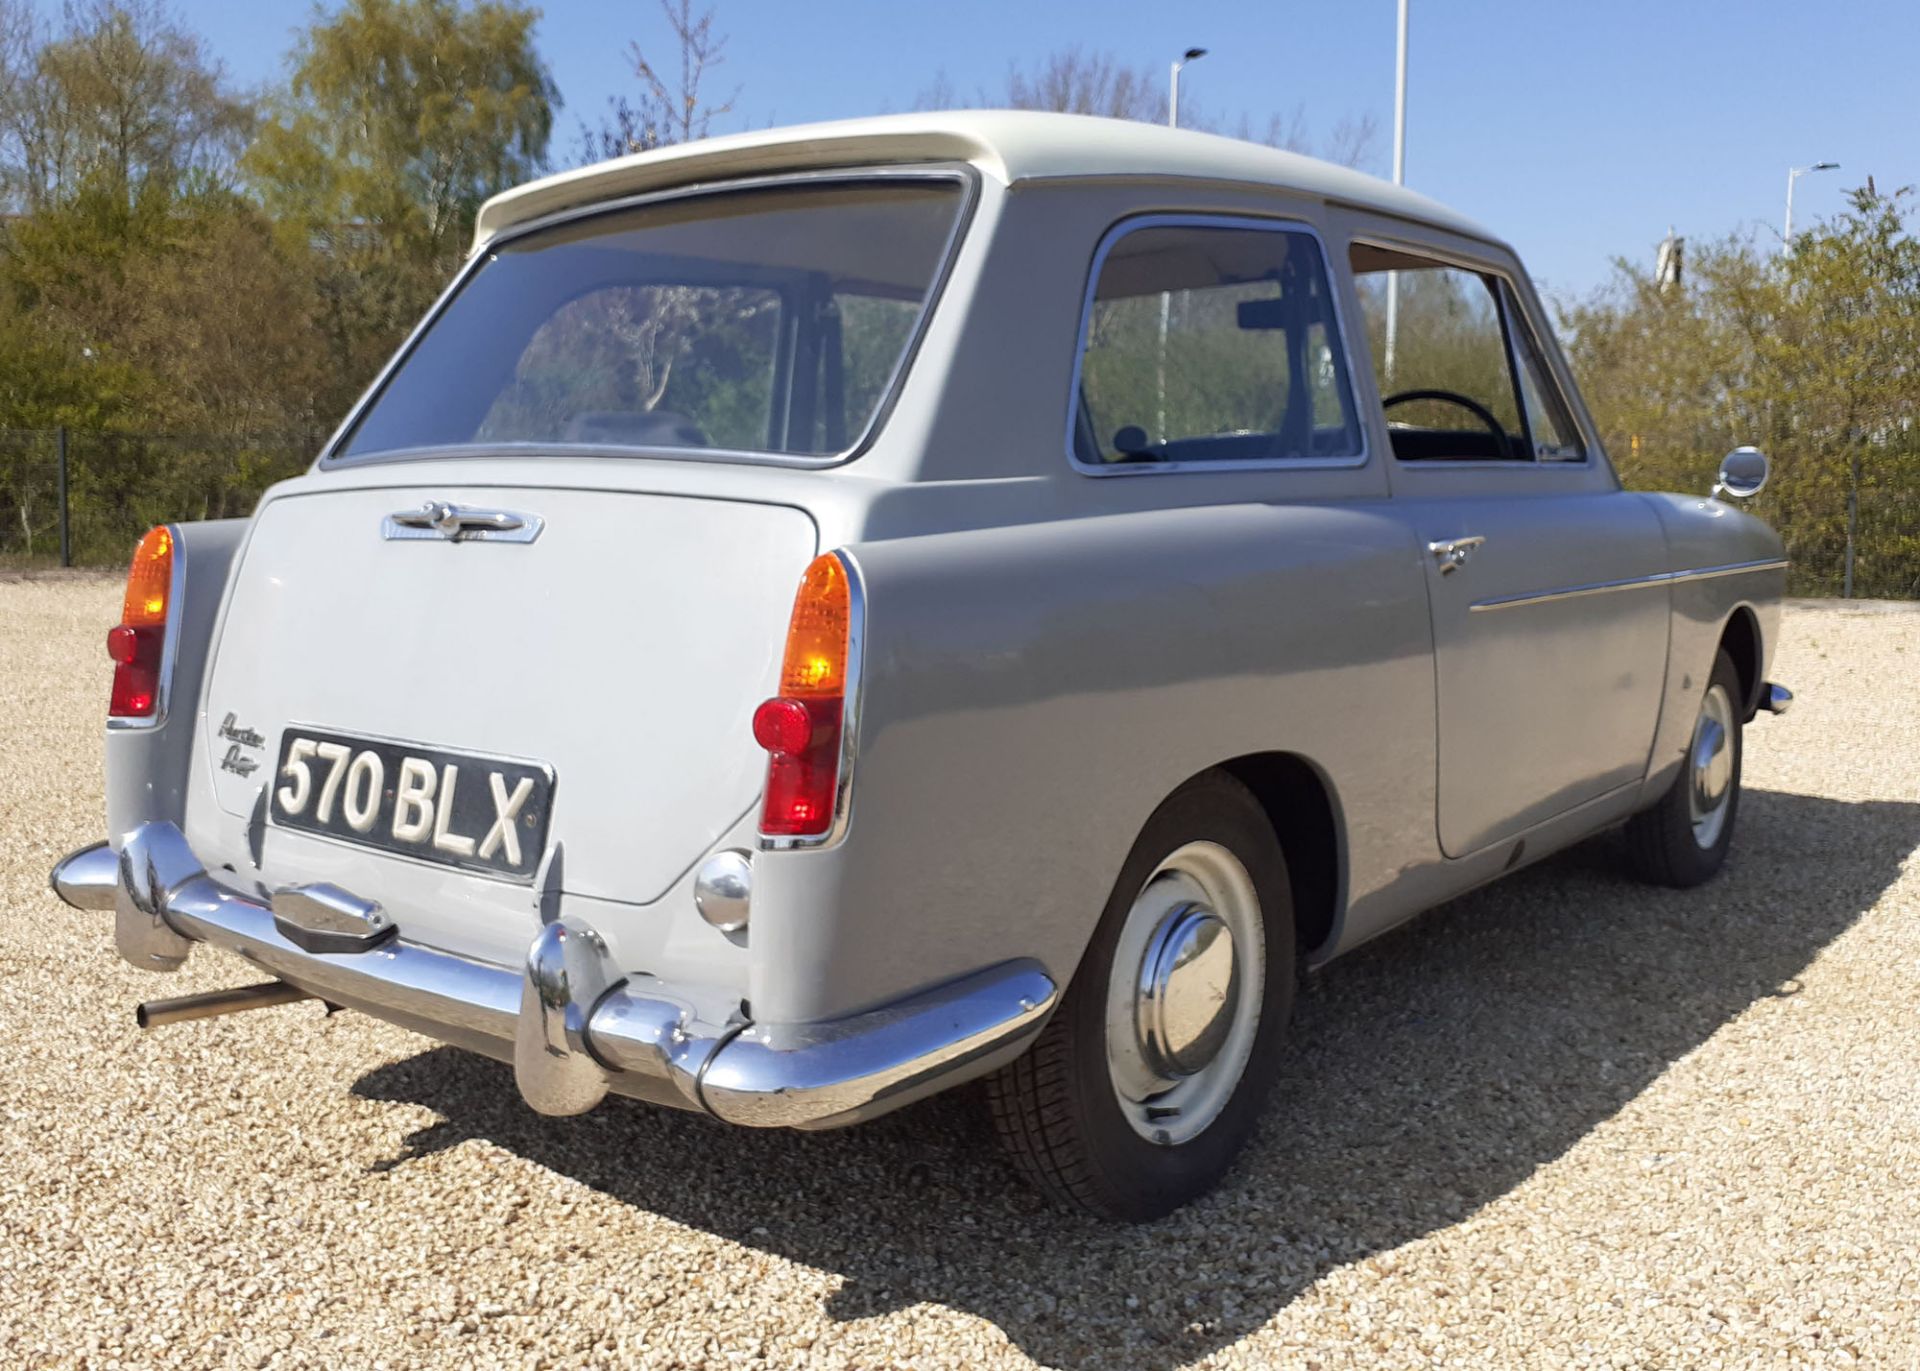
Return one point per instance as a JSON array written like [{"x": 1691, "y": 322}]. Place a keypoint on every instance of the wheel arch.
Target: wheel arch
[
  {"x": 1740, "y": 640},
  {"x": 1304, "y": 808}
]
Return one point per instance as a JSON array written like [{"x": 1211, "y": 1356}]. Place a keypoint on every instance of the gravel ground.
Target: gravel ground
[{"x": 1567, "y": 1121}]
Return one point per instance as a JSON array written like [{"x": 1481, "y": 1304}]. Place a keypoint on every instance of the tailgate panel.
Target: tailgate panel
[{"x": 625, "y": 648}]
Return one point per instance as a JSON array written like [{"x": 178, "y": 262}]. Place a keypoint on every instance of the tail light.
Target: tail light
[
  {"x": 805, "y": 727},
  {"x": 137, "y": 646}
]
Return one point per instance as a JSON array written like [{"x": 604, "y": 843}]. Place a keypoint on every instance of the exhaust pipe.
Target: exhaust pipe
[{"x": 217, "y": 1002}]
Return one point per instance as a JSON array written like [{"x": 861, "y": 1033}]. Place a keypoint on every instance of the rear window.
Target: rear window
[{"x": 772, "y": 320}]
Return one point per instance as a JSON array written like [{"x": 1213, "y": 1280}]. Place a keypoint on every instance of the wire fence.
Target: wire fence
[
  {"x": 1880, "y": 560},
  {"x": 76, "y": 498}
]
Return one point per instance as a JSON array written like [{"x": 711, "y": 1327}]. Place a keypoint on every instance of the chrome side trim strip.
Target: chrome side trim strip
[
  {"x": 1729, "y": 569},
  {"x": 1658, "y": 578}
]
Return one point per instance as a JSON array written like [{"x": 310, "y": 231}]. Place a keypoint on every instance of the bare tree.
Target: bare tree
[
  {"x": 939, "y": 94},
  {"x": 665, "y": 111},
  {"x": 1068, "y": 81},
  {"x": 1354, "y": 142},
  {"x": 1287, "y": 131},
  {"x": 653, "y": 324},
  {"x": 1074, "y": 81},
  {"x": 1351, "y": 144},
  {"x": 119, "y": 97}
]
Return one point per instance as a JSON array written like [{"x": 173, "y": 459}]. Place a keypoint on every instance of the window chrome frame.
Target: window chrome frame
[
  {"x": 1249, "y": 220},
  {"x": 1517, "y": 325},
  {"x": 964, "y": 175},
  {"x": 1509, "y": 291}
]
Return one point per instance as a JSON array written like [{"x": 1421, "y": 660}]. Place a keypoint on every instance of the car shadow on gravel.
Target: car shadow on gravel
[{"x": 1432, "y": 1072}]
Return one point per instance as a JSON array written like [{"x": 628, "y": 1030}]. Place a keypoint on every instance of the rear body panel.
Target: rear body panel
[{"x": 623, "y": 649}]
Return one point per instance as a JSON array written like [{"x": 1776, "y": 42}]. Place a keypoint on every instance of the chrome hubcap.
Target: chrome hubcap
[
  {"x": 1183, "y": 1001},
  {"x": 1187, "y": 984},
  {"x": 1710, "y": 767}
]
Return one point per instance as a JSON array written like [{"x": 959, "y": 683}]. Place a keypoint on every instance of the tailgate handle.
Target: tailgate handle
[{"x": 461, "y": 523}]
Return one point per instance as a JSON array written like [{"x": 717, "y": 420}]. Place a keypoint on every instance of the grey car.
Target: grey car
[{"x": 816, "y": 617}]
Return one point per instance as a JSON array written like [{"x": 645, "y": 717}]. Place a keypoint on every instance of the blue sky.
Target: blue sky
[{"x": 1578, "y": 131}]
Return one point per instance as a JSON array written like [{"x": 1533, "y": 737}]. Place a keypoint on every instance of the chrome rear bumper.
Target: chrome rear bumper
[
  {"x": 573, "y": 1026},
  {"x": 1775, "y": 699}
]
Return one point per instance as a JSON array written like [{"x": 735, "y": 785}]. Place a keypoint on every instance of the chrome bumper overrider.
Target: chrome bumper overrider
[{"x": 572, "y": 1025}]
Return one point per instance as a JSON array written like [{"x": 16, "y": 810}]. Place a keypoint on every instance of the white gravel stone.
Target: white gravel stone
[{"x": 1565, "y": 1122}]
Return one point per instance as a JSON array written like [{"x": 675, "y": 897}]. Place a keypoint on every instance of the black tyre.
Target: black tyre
[
  {"x": 1683, "y": 840},
  {"x": 1150, "y": 1076}
]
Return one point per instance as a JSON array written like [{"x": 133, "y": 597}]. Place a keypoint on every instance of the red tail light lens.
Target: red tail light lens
[
  {"x": 136, "y": 645},
  {"x": 782, "y": 725},
  {"x": 802, "y": 727}
]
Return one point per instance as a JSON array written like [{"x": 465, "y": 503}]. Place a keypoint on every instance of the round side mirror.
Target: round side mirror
[{"x": 1742, "y": 473}]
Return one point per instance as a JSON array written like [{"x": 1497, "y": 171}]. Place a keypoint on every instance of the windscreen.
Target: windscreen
[{"x": 771, "y": 320}]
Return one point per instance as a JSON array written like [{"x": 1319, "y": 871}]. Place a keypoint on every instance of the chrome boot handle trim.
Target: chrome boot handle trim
[
  {"x": 1453, "y": 552},
  {"x": 461, "y": 524}
]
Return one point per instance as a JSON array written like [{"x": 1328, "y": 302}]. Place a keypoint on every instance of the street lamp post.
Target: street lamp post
[
  {"x": 1166, "y": 297},
  {"x": 1853, "y": 471},
  {"x": 1793, "y": 175},
  {"x": 1173, "y": 85},
  {"x": 1399, "y": 177}
]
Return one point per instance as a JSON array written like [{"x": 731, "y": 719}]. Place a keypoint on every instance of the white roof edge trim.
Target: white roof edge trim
[
  {"x": 719, "y": 159},
  {"x": 1004, "y": 145}
]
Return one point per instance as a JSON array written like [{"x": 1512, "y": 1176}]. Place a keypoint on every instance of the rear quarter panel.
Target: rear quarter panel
[
  {"x": 1032, "y": 693},
  {"x": 148, "y": 769}
]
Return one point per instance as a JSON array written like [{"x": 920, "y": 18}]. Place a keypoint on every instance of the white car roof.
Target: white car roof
[{"x": 1009, "y": 145}]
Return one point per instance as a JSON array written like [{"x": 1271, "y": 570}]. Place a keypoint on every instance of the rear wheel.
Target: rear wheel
[
  {"x": 1683, "y": 840},
  {"x": 1150, "y": 1076}
]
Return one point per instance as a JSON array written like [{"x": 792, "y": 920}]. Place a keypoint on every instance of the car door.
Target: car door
[{"x": 1550, "y": 620}]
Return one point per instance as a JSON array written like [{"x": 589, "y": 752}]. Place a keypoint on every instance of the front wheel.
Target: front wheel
[
  {"x": 1150, "y": 1076},
  {"x": 1683, "y": 840}
]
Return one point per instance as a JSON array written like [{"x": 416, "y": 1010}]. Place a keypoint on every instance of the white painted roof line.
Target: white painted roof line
[{"x": 1006, "y": 145}]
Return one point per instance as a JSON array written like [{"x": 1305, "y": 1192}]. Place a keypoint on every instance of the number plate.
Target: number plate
[{"x": 482, "y": 814}]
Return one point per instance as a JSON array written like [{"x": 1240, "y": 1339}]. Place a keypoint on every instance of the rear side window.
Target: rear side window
[
  {"x": 1212, "y": 342},
  {"x": 766, "y": 320}
]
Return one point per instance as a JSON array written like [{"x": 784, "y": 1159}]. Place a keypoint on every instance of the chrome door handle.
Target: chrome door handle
[
  {"x": 458, "y": 523},
  {"x": 1453, "y": 552}
]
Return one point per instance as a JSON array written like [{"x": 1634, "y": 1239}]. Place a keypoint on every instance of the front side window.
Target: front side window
[
  {"x": 1212, "y": 343},
  {"x": 1460, "y": 374},
  {"x": 1549, "y": 423},
  {"x": 767, "y": 320}
]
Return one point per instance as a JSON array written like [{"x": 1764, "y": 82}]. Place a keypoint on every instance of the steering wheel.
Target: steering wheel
[{"x": 1454, "y": 397}]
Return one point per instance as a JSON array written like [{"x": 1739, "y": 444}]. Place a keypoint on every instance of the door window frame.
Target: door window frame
[
  {"x": 1508, "y": 300},
  {"x": 1336, "y": 297}
]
